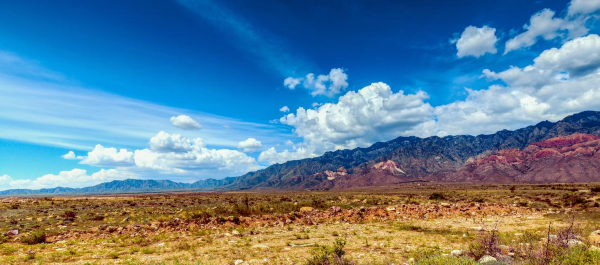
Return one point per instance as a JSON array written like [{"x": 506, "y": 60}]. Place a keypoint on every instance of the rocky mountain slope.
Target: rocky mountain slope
[
  {"x": 573, "y": 158},
  {"x": 417, "y": 159}
]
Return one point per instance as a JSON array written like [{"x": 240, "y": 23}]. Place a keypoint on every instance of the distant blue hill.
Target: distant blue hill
[{"x": 126, "y": 186}]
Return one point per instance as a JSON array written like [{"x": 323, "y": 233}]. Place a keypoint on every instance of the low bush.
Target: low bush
[
  {"x": 443, "y": 260},
  {"x": 38, "y": 237},
  {"x": 330, "y": 255},
  {"x": 486, "y": 243},
  {"x": 437, "y": 196},
  {"x": 578, "y": 255}
]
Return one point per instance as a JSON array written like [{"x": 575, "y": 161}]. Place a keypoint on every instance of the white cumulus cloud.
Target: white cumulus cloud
[
  {"x": 176, "y": 157},
  {"x": 545, "y": 25},
  {"x": 291, "y": 82},
  {"x": 476, "y": 41},
  {"x": 76, "y": 178},
  {"x": 284, "y": 109},
  {"x": 164, "y": 142},
  {"x": 173, "y": 154},
  {"x": 108, "y": 156},
  {"x": 250, "y": 145},
  {"x": 271, "y": 156},
  {"x": 185, "y": 122},
  {"x": 358, "y": 119},
  {"x": 583, "y": 7},
  {"x": 71, "y": 156},
  {"x": 327, "y": 85}
]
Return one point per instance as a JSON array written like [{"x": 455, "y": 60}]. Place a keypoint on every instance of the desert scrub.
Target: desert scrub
[
  {"x": 3, "y": 239},
  {"x": 434, "y": 256},
  {"x": 443, "y": 260},
  {"x": 486, "y": 243},
  {"x": 326, "y": 255},
  {"x": 437, "y": 196},
  {"x": 37, "y": 237},
  {"x": 578, "y": 255}
]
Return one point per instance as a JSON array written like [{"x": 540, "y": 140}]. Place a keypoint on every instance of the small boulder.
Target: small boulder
[
  {"x": 595, "y": 238},
  {"x": 306, "y": 209},
  {"x": 14, "y": 232},
  {"x": 487, "y": 259},
  {"x": 261, "y": 246},
  {"x": 456, "y": 252},
  {"x": 574, "y": 243}
]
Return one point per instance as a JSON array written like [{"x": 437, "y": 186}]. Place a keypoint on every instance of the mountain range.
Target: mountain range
[{"x": 548, "y": 152}]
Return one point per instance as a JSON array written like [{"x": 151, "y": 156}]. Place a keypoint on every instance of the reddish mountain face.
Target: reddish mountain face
[
  {"x": 379, "y": 174},
  {"x": 572, "y": 158}
]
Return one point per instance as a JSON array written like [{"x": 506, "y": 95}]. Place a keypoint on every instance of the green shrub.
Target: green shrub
[
  {"x": 437, "y": 196},
  {"x": 434, "y": 257},
  {"x": 3, "y": 239},
  {"x": 443, "y": 260},
  {"x": 486, "y": 243},
  {"x": 69, "y": 215},
  {"x": 538, "y": 205},
  {"x": 38, "y": 237},
  {"x": 578, "y": 255},
  {"x": 330, "y": 255}
]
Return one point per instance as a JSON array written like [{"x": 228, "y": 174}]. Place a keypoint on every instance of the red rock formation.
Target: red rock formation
[{"x": 573, "y": 158}]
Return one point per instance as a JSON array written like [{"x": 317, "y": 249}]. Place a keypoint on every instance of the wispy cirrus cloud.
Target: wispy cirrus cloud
[
  {"x": 271, "y": 50},
  {"x": 38, "y": 106}
]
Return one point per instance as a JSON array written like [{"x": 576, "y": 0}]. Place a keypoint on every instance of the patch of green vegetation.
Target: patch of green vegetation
[
  {"x": 330, "y": 255},
  {"x": 434, "y": 256},
  {"x": 578, "y": 255},
  {"x": 444, "y": 260},
  {"x": 437, "y": 196},
  {"x": 38, "y": 237}
]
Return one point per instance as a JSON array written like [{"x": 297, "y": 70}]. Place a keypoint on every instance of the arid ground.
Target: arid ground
[{"x": 409, "y": 224}]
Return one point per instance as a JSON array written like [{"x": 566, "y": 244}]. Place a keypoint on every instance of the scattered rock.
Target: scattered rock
[
  {"x": 456, "y": 252},
  {"x": 306, "y": 209},
  {"x": 487, "y": 259},
  {"x": 301, "y": 245},
  {"x": 261, "y": 246},
  {"x": 574, "y": 243},
  {"x": 504, "y": 249},
  {"x": 238, "y": 261},
  {"x": 14, "y": 232},
  {"x": 335, "y": 209},
  {"x": 595, "y": 238},
  {"x": 235, "y": 232}
]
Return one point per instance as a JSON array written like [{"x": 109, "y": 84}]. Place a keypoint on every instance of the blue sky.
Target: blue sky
[{"x": 78, "y": 74}]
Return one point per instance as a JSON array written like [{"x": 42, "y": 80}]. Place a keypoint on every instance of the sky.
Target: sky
[{"x": 94, "y": 91}]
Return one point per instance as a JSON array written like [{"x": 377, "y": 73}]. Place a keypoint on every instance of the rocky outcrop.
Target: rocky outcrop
[
  {"x": 428, "y": 159},
  {"x": 572, "y": 158}
]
